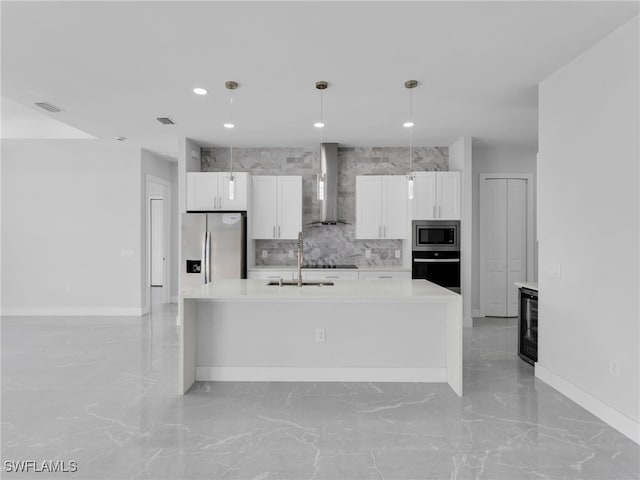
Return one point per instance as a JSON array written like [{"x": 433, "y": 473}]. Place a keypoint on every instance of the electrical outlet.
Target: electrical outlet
[
  {"x": 290, "y": 253},
  {"x": 367, "y": 253},
  {"x": 264, "y": 254},
  {"x": 68, "y": 289},
  {"x": 126, "y": 253},
  {"x": 320, "y": 335},
  {"x": 397, "y": 253},
  {"x": 614, "y": 367}
]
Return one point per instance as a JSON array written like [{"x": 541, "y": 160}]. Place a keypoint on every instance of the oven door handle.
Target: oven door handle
[{"x": 436, "y": 260}]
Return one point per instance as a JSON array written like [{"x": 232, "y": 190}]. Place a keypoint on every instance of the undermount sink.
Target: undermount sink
[{"x": 294, "y": 283}]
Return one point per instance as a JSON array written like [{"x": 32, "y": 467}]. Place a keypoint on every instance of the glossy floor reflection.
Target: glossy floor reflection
[{"x": 102, "y": 392}]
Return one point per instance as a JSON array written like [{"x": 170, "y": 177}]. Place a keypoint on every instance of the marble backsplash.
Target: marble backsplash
[{"x": 334, "y": 244}]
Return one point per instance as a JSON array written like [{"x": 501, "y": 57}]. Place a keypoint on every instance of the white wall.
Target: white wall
[
  {"x": 460, "y": 160},
  {"x": 496, "y": 159},
  {"x": 70, "y": 227},
  {"x": 588, "y": 224}
]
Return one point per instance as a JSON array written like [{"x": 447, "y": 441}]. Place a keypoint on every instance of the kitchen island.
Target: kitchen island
[{"x": 352, "y": 331}]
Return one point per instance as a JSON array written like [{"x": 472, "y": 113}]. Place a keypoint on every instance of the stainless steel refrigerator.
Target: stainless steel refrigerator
[{"x": 214, "y": 245}]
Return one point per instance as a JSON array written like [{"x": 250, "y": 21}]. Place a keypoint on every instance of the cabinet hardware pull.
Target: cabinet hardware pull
[
  {"x": 440, "y": 211},
  {"x": 434, "y": 211},
  {"x": 274, "y": 231},
  {"x": 384, "y": 231},
  {"x": 279, "y": 231}
]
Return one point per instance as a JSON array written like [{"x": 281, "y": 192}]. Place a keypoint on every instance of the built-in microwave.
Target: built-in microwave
[{"x": 430, "y": 235}]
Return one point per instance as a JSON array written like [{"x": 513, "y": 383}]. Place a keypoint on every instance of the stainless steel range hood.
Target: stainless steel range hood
[{"x": 329, "y": 168}]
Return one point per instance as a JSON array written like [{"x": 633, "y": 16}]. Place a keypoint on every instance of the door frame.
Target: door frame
[
  {"x": 166, "y": 197},
  {"x": 482, "y": 228}
]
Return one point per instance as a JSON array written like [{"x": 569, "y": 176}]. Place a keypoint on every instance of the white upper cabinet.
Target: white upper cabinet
[
  {"x": 209, "y": 191},
  {"x": 381, "y": 206},
  {"x": 436, "y": 195},
  {"x": 277, "y": 207}
]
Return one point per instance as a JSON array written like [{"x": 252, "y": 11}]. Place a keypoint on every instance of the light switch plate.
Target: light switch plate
[
  {"x": 290, "y": 253},
  {"x": 264, "y": 254},
  {"x": 397, "y": 253},
  {"x": 367, "y": 253}
]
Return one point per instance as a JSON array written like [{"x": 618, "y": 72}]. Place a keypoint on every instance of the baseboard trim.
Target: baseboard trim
[
  {"x": 476, "y": 312},
  {"x": 75, "y": 312},
  {"x": 313, "y": 374},
  {"x": 604, "y": 412}
]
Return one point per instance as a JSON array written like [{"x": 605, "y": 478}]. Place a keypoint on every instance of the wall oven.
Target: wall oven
[
  {"x": 436, "y": 252},
  {"x": 435, "y": 235}
]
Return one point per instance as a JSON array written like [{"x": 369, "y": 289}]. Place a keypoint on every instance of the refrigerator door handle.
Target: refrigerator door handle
[
  {"x": 207, "y": 258},
  {"x": 204, "y": 257}
]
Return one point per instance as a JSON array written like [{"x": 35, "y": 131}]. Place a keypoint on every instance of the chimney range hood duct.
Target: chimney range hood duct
[{"x": 329, "y": 168}]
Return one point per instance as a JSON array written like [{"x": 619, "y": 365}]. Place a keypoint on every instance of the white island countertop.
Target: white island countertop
[
  {"x": 405, "y": 291},
  {"x": 361, "y": 331}
]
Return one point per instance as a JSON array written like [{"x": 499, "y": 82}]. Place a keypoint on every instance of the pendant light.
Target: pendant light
[
  {"x": 321, "y": 86},
  {"x": 231, "y": 86},
  {"x": 410, "y": 85}
]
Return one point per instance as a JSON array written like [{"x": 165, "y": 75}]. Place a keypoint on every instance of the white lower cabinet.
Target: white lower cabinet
[
  {"x": 270, "y": 274},
  {"x": 380, "y": 275},
  {"x": 328, "y": 276}
]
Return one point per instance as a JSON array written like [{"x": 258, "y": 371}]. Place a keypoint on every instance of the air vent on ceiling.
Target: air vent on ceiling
[
  {"x": 165, "y": 121},
  {"x": 48, "y": 107}
]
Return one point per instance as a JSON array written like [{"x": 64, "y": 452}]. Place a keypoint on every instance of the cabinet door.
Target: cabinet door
[
  {"x": 270, "y": 274},
  {"x": 289, "y": 207},
  {"x": 378, "y": 275},
  {"x": 448, "y": 191},
  {"x": 424, "y": 196},
  {"x": 328, "y": 276},
  {"x": 264, "y": 211},
  {"x": 202, "y": 191},
  {"x": 368, "y": 206},
  {"x": 239, "y": 201},
  {"x": 394, "y": 206}
]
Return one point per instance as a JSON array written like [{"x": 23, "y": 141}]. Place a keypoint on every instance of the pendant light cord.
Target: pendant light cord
[{"x": 411, "y": 131}]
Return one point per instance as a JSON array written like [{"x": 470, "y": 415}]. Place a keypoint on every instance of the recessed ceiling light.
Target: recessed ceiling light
[
  {"x": 121, "y": 139},
  {"x": 407, "y": 124},
  {"x": 229, "y": 125},
  {"x": 318, "y": 125},
  {"x": 199, "y": 91}
]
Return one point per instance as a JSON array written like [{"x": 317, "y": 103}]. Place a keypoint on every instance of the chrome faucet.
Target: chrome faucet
[{"x": 300, "y": 255}]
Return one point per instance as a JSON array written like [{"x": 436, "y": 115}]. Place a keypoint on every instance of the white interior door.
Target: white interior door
[
  {"x": 157, "y": 242},
  {"x": 516, "y": 240},
  {"x": 495, "y": 247},
  {"x": 503, "y": 217}
]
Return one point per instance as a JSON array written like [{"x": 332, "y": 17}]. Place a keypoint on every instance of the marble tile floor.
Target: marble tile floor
[{"x": 101, "y": 391}]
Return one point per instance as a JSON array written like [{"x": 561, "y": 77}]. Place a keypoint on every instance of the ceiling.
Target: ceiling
[{"x": 113, "y": 67}]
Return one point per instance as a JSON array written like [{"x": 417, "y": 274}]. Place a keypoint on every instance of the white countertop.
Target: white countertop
[
  {"x": 529, "y": 285},
  {"x": 343, "y": 291}
]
